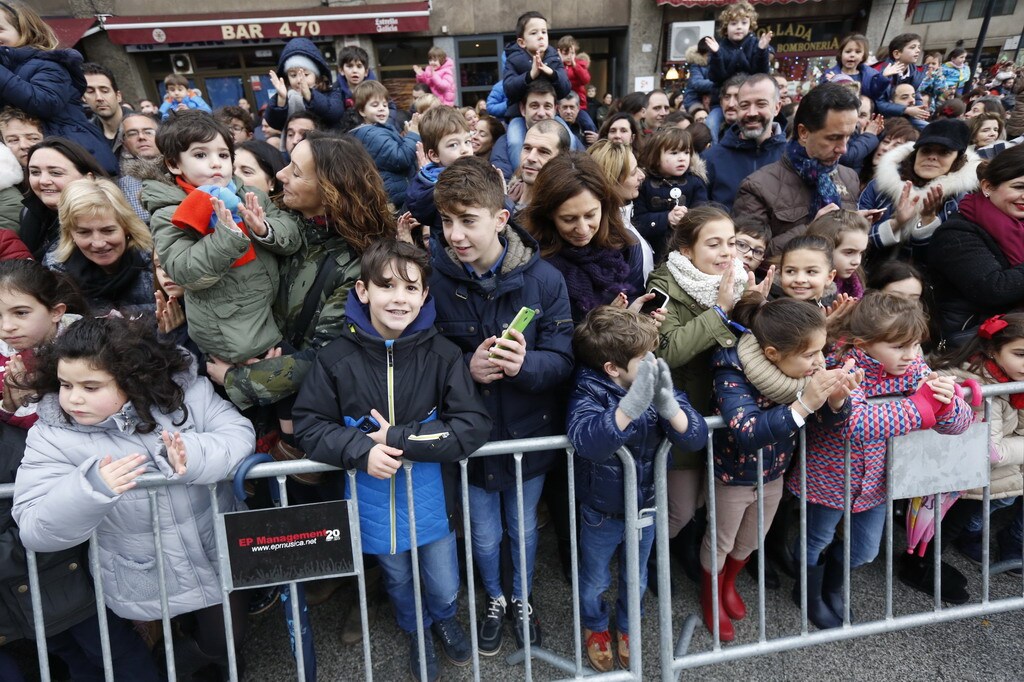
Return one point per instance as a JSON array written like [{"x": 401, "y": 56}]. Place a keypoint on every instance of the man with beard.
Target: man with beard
[
  {"x": 539, "y": 105},
  {"x": 140, "y": 158},
  {"x": 104, "y": 100},
  {"x": 544, "y": 141},
  {"x": 752, "y": 142},
  {"x": 728, "y": 99},
  {"x": 807, "y": 181}
]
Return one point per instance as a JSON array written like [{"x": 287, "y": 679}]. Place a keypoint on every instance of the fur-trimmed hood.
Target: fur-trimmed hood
[
  {"x": 146, "y": 169},
  {"x": 692, "y": 56},
  {"x": 10, "y": 170},
  {"x": 954, "y": 184}
]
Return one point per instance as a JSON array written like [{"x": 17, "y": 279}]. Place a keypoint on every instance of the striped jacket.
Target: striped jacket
[{"x": 867, "y": 428}]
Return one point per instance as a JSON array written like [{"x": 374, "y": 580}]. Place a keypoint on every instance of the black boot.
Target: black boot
[
  {"x": 918, "y": 572},
  {"x": 776, "y": 541},
  {"x": 818, "y": 612},
  {"x": 685, "y": 547},
  {"x": 1009, "y": 549},
  {"x": 832, "y": 587},
  {"x": 771, "y": 576}
]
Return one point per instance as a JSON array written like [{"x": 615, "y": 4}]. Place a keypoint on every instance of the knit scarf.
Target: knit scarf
[
  {"x": 196, "y": 213},
  {"x": 852, "y": 286},
  {"x": 997, "y": 373},
  {"x": 1008, "y": 232},
  {"x": 764, "y": 375},
  {"x": 593, "y": 276},
  {"x": 702, "y": 286},
  {"x": 816, "y": 175}
]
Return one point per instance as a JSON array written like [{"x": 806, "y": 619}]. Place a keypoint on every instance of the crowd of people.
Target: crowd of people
[{"x": 181, "y": 287}]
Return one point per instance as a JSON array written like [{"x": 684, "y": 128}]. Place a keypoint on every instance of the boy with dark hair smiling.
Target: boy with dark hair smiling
[
  {"x": 485, "y": 269},
  {"x": 391, "y": 390}
]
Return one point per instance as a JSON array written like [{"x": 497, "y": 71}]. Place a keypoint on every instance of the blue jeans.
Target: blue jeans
[
  {"x": 866, "y": 529},
  {"x": 485, "y": 509},
  {"x": 439, "y": 576},
  {"x": 974, "y": 521},
  {"x": 601, "y": 537}
]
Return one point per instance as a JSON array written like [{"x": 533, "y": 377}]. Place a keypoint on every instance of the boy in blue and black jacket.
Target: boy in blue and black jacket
[
  {"x": 390, "y": 390},
  {"x": 622, "y": 398},
  {"x": 446, "y": 138}
]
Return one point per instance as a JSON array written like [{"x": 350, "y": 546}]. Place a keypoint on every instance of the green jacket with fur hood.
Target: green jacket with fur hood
[{"x": 228, "y": 308}]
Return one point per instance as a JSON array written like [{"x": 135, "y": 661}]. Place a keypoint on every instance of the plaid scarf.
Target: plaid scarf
[{"x": 816, "y": 175}]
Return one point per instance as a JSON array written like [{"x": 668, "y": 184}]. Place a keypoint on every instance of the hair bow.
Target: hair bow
[{"x": 992, "y": 326}]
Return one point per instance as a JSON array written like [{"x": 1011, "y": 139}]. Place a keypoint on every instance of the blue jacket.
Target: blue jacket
[
  {"x": 49, "y": 84},
  {"x": 732, "y": 58},
  {"x": 913, "y": 76},
  {"x": 497, "y": 103},
  {"x": 699, "y": 83},
  {"x": 596, "y": 438},
  {"x": 734, "y": 158},
  {"x": 394, "y": 155},
  {"x": 872, "y": 83},
  {"x": 419, "y": 199},
  {"x": 193, "y": 101},
  {"x": 858, "y": 149},
  {"x": 327, "y": 106},
  {"x": 654, "y": 202},
  {"x": 516, "y": 75},
  {"x": 532, "y": 403},
  {"x": 436, "y": 421},
  {"x": 754, "y": 422}
]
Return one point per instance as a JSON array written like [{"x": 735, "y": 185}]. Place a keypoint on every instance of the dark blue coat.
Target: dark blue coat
[
  {"x": 753, "y": 421},
  {"x": 858, "y": 149},
  {"x": 394, "y": 155},
  {"x": 533, "y": 402},
  {"x": 419, "y": 199},
  {"x": 516, "y": 76},
  {"x": 654, "y": 202},
  {"x": 49, "y": 84},
  {"x": 327, "y": 106},
  {"x": 914, "y": 76},
  {"x": 872, "y": 83},
  {"x": 698, "y": 85},
  {"x": 596, "y": 437},
  {"x": 732, "y": 58},
  {"x": 734, "y": 158}
]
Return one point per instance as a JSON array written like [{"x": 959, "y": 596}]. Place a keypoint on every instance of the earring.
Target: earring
[{"x": 986, "y": 195}]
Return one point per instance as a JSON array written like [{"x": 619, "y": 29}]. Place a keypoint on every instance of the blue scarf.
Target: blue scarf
[{"x": 816, "y": 175}]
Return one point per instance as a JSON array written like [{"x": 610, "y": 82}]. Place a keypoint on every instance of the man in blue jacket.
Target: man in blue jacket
[
  {"x": 753, "y": 142},
  {"x": 486, "y": 269}
]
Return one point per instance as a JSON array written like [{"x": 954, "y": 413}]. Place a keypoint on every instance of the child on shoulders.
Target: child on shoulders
[{"x": 180, "y": 97}]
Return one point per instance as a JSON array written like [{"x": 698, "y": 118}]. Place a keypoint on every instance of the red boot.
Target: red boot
[
  {"x": 725, "y": 631},
  {"x": 731, "y": 599}
]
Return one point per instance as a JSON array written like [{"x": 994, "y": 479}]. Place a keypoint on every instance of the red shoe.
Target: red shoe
[
  {"x": 725, "y": 630},
  {"x": 731, "y": 599}
]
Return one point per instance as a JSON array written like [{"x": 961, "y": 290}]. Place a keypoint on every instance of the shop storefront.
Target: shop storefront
[{"x": 227, "y": 56}]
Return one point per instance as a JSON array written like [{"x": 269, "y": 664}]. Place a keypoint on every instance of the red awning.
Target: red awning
[
  {"x": 402, "y": 17},
  {"x": 69, "y": 31},
  {"x": 720, "y": 3}
]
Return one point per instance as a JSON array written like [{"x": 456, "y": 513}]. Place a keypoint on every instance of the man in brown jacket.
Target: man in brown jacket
[{"x": 808, "y": 180}]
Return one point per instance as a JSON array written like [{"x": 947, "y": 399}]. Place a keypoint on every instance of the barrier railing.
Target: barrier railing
[{"x": 674, "y": 655}]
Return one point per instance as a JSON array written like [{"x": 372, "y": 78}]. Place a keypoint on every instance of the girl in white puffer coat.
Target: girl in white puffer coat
[{"x": 115, "y": 402}]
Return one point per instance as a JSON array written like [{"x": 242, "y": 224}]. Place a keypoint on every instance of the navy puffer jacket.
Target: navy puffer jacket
[
  {"x": 328, "y": 106},
  {"x": 596, "y": 438},
  {"x": 49, "y": 84},
  {"x": 394, "y": 155},
  {"x": 532, "y": 403}
]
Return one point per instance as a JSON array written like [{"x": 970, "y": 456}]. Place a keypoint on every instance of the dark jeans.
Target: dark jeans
[{"x": 79, "y": 647}]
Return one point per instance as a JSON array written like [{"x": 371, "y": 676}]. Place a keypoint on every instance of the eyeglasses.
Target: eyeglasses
[
  {"x": 745, "y": 248},
  {"x": 144, "y": 132},
  {"x": 237, "y": 129}
]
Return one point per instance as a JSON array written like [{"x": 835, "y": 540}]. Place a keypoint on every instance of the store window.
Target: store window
[
  {"x": 999, "y": 8},
  {"x": 479, "y": 64},
  {"x": 929, "y": 12}
]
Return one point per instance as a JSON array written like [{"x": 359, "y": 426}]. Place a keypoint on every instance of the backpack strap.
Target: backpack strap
[{"x": 328, "y": 266}]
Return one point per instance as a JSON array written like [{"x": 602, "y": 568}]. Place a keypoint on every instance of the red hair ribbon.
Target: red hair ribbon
[{"x": 992, "y": 326}]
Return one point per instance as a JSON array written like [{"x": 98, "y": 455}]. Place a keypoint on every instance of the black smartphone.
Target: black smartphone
[{"x": 660, "y": 300}]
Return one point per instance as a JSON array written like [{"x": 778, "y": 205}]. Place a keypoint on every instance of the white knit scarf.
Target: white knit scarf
[{"x": 702, "y": 286}]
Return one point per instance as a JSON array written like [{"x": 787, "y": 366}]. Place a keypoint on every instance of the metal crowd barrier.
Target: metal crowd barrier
[{"x": 673, "y": 648}]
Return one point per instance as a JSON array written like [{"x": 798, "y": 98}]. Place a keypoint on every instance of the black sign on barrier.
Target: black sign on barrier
[{"x": 272, "y": 546}]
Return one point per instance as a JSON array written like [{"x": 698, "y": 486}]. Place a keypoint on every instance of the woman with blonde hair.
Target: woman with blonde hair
[
  {"x": 618, "y": 162},
  {"x": 104, "y": 247}
]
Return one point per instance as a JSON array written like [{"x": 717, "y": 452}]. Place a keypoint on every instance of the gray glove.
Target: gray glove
[
  {"x": 664, "y": 393},
  {"x": 640, "y": 394}
]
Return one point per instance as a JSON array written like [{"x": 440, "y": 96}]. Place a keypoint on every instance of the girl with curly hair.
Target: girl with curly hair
[{"x": 116, "y": 402}]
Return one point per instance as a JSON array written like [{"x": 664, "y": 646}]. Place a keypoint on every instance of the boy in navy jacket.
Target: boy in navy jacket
[
  {"x": 390, "y": 390},
  {"x": 622, "y": 398},
  {"x": 485, "y": 269}
]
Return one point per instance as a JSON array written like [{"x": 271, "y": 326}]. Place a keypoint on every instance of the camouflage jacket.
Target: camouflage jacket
[{"x": 269, "y": 381}]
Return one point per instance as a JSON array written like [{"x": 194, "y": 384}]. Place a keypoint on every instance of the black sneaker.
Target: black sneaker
[
  {"x": 454, "y": 643},
  {"x": 264, "y": 599},
  {"x": 492, "y": 627},
  {"x": 518, "y": 612},
  {"x": 433, "y": 674}
]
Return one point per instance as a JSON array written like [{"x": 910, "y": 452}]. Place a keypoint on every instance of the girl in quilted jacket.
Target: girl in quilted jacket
[
  {"x": 882, "y": 335},
  {"x": 439, "y": 75},
  {"x": 766, "y": 389},
  {"x": 116, "y": 402}
]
